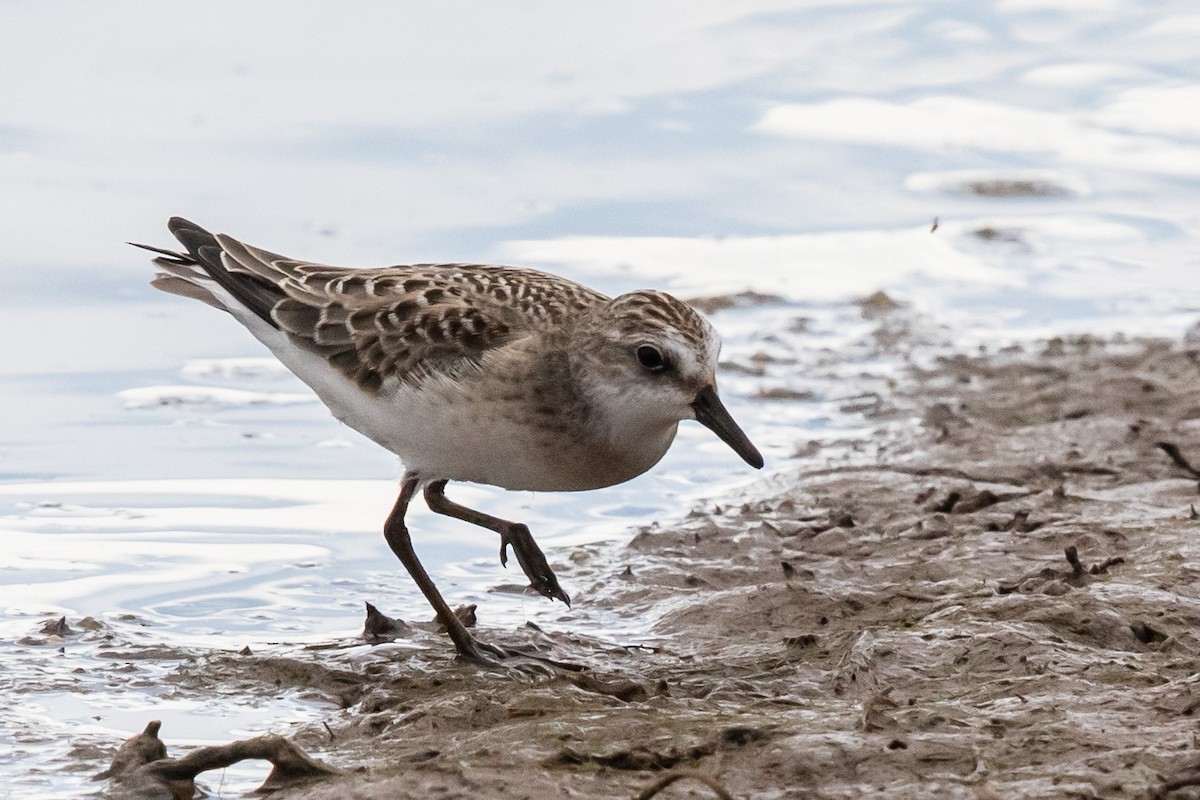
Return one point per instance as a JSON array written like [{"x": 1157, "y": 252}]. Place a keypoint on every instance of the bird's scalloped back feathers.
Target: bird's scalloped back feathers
[
  {"x": 409, "y": 321},
  {"x": 401, "y": 321},
  {"x": 400, "y": 338}
]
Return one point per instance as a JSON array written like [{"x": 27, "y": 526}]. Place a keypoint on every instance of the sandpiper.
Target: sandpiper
[{"x": 497, "y": 375}]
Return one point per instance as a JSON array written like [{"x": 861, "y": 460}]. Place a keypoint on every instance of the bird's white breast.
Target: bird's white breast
[{"x": 469, "y": 429}]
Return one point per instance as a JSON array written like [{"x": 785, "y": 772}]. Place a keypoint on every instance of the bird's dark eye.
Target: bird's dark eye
[{"x": 651, "y": 358}]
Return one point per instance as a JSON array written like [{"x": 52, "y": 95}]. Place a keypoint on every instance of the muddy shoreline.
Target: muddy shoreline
[{"x": 993, "y": 594}]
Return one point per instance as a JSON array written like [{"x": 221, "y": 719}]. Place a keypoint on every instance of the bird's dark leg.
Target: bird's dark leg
[
  {"x": 396, "y": 533},
  {"x": 529, "y": 555}
]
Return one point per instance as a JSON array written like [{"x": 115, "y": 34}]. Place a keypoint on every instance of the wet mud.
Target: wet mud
[{"x": 992, "y": 592}]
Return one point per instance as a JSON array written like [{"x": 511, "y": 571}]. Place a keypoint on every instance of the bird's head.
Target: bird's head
[{"x": 651, "y": 361}]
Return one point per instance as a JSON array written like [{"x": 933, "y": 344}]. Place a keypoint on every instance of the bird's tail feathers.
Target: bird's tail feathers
[{"x": 203, "y": 274}]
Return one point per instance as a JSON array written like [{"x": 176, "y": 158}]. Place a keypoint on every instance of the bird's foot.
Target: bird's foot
[
  {"x": 494, "y": 657},
  {"x": 533, "y": 562}
]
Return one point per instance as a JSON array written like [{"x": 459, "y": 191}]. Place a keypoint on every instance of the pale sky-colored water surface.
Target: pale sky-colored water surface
[{"x": 153, "y": 463}]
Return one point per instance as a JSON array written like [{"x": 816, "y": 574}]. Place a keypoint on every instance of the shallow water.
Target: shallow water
[{"x": 161, "y": 476}]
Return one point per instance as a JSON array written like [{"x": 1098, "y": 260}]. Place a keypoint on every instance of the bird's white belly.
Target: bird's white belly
[
  {"x": 446, "y": 433},
  {"x": 443, "y": 429},
  {"x": 492, "y": 442}
]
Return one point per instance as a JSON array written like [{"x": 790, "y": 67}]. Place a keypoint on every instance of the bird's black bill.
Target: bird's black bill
[{"x": 711, "y": 413}]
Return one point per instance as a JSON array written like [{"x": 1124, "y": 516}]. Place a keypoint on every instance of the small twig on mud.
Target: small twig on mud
[
  {"x": 1102, "y": 567},
  {"x": 1173, "y": 453},
  {"x": 1079, "y": 576},
  {"x": 379, "y": 627},
  {"x": 667, "y": 780},
  {"x": 1077, "y": 568},
  {"x": 141, "y": 766}
]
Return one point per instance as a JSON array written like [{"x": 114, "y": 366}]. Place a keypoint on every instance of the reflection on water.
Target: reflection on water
[{"x": 159, "y": 475}]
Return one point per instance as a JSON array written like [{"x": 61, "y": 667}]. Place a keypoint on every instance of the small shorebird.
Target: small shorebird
[{"x": 497, "y": 375}]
